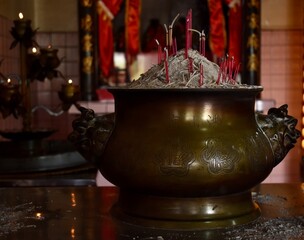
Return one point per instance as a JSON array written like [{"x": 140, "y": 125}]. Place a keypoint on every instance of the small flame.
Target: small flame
[
  {"x": 8, "y": 80},
  {"x": 72, "y": 232},
  {"x": 20, "y": 15},
  {"x": 73, "y": 199},
  {"x": 39, "y": 216},
  {"x": 34, "y": 50},
  {"x": 70, "y": 81}
]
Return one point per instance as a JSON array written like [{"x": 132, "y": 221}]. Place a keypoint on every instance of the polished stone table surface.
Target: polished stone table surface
[{"x": 84, "y": 213}]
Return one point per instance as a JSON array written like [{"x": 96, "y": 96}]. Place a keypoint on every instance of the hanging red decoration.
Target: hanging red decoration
[
  {"x": 132, "y": 21},
  {"x": 107, "y": 11},
  {"x": 217, "y": 37}
]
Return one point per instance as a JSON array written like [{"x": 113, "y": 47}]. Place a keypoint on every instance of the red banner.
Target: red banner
[
  {"x": 218, "y": 38},
  {"x": 107, "y": 11},
  {"x": 132, "y": 20},
  {"x": 235, "y": 32}
]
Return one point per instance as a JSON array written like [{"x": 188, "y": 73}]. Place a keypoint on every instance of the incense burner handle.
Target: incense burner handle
[
  {"x": 280, "y": 129},
  {"x": 91, "y": 132}
]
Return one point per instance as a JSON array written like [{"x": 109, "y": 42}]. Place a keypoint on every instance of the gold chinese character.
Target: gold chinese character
[
  {"x": 254, "y": 3},
  {"x": 253, "y": 41},
  {"x": 86, "y": 23},
  {"x": 87, "y": 3},
  {"x": 253, "y": 62},
  {"x": 253, "y": 21},
  {"x": 87, "y": 63},
  {"x": 87, "y": 43}
]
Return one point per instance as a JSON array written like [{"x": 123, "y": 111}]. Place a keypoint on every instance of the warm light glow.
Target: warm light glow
[
  {"x": 206, "y": 113},
  {"x": 73, "y": 199},
  {"x": 70, "y": 81},
  {"x": 49, "y": 46},
  {"x": 34, "y": 50},
  {"x": 189, "y": 116},
  {"x": 73, "y": 232},
  {"x": 119, "y": 60},
  {"x": 39, "y": 215},
  {"x": 210, "y": 209},
  {"x": 9, "y": 80},
  {"x": 20, "y": 15}
]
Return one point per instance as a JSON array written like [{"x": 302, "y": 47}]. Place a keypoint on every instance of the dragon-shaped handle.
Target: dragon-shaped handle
[
  {"x": 280, "y": 128},
  {"x": 91, "y": 133}
]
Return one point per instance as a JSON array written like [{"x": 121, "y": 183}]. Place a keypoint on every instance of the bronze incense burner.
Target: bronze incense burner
[{"x": 185, "y": 158}]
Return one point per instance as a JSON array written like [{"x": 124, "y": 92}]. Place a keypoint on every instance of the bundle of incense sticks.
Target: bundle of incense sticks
[{"x": 228, "y": 71}]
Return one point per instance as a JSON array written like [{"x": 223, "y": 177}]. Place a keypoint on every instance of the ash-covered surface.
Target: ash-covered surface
[
  {"x": 186, "y": 73},
  {"x": 269, "y": 199},
  {"x": 15, "y": 218},
  {"x": 283, "y": 227},
  {"x": 280, "y": 228}
]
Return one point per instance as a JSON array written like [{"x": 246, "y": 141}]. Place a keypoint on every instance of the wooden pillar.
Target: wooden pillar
[
  {"x": 251, "y": 69},
  {"x": 88, "y": 48}
]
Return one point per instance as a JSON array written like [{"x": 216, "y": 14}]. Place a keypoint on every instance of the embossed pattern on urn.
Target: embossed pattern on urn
[{"x": 198, "y": 140}]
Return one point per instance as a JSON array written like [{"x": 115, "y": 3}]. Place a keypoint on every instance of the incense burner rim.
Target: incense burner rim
[{"x": 237, "y": 88}]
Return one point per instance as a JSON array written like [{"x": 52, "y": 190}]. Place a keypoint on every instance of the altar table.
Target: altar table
[{"x": 85, "y": 213}]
